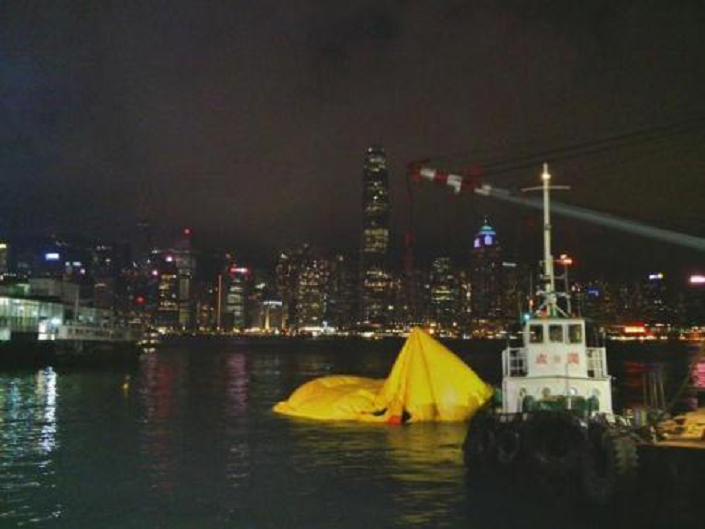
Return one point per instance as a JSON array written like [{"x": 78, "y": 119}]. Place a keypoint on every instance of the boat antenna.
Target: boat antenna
[
  {"x": 549, "y": 306},
  {"x": 550, "y": 278}
]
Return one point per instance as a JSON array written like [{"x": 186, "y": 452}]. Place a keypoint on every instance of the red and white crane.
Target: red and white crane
[{"x": 472, "y": 182}]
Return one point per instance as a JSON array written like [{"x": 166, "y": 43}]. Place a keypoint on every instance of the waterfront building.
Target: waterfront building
[
  {"x": 206, "y": 301},
  {"x": 235, "y": 289},
  {"x": 106, "y": 263},
  {"x": 271, "y": 316},
  {"x": 4, "y": 260},
  {"x": 410, "y": 303},
  {"x": 658, "y": 303},
  {"x": 165, "y": 277},
  {"x": 185, "y": 262},
  {"x": 596, "y": 300},
  {"x": 287, "y": 270},
  {"x": 340, "y": 307},
  {"x": 264, "y": 308},
  {"x": 444, "y": 294},
  {"x": 465, "y": 301},
  {"x": 694, "y": 301},
  {"x": 486, "y": 276},
  {"x": 312, "y": 292},
  {"x": 374, "y": 267},
  {"x": 512, "y": 294}
]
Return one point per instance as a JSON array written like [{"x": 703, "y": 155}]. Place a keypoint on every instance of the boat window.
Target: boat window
[
  {"x": 555, "y": 333},
  {"x": 536, "y": 333},
  {"x": 575, "y": 333}
]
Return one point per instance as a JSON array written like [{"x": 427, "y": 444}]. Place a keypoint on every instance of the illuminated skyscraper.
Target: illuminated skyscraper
[
  {"x": 312, "y": 291},
  {"x": 374, "y": 272},
  {"x": 3, "y": 258},
  {"x": 340, "y": 308},
  {"x": 165, "y": 275},
  {"x": 236, "y": 283},
  {"x": 185, "y": 262},
  {"x": 486, "y": 275},
  {"x": 444, "y": 293}
]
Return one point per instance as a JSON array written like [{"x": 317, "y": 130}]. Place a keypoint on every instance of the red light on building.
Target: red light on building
[
  {"x": 140, "y": 300},
  {"x": 187, "y": 232}
]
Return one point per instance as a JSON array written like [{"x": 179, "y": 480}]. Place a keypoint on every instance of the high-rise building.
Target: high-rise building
[
  {"x": 185, "y": 261},
  {"x": 165, "y": 274},
  {"x": 106, "y": 264},
  {"x": 486, "y": 275},
  {"x": 657, "y": 298},
  {"x": 312, "y": 292},
  {"x": 4, "y": 266},
  {"x": 374, "y": 270},
  {"x": 236, "y": 283},
  {"x": 444, "y": 294},
  {"x": 340, "y": 309},
  {"x": 288, "y": 268}
]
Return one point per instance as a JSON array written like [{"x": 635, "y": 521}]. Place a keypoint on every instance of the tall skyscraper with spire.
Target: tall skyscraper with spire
[
  {"x": 486, "y": 276},
  {"x": 374, "y": 269}
]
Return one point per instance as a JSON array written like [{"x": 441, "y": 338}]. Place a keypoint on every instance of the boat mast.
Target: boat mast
[{"x": 549, "y": 276}]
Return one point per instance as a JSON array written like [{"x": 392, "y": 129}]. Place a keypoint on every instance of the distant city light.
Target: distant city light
[
  {"x": 634, "y": 329},
  {"x": 653, "y": 277},
  {"x": 697, "y": 279},
  {"x": 3, "y": 246},
  {"x": 187, "y": 232},
  {"x": 52, "y": 256},
  {"x": 169, "y": 258},
  {"x": 565, "y": 260},
  {"x": 239, "y": 270},
  {"x": 155, "y": 273}
]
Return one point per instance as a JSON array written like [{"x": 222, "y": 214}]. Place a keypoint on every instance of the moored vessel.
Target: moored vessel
[{"x": 553, "y": 416}]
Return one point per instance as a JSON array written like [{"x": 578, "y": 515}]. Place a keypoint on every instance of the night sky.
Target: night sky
[{"x": 248, "y": 120}]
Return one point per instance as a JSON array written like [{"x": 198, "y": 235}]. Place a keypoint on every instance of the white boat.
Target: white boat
[{"x": 554, "y": 412}]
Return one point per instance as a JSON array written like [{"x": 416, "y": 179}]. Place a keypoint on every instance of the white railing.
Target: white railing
[
  {"x": 514, "y": 362},
  {"x": 596, "y": 362}
]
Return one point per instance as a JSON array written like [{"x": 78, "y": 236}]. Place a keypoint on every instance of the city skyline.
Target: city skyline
[{"x": 99, "y": 137}]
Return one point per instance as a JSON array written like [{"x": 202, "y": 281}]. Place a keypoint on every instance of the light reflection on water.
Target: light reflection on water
[{"x": 188, "y": 440}]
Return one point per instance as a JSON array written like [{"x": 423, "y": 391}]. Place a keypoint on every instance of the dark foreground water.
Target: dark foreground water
[{"x": 187, "y": 439}]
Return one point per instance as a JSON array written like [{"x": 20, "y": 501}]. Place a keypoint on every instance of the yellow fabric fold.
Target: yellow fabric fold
[{"x": 427, "y": 383}]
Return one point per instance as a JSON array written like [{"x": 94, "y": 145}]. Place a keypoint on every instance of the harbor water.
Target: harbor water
[{"x": 187, "y": 439}]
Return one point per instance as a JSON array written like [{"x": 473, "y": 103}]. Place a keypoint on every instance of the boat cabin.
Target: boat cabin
[{"x": 555, "y": 368}]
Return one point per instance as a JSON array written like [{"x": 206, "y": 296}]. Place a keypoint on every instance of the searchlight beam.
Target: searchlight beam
[
  {"x": 594, "y": 217},
  {"x": 470, "y": 183}
]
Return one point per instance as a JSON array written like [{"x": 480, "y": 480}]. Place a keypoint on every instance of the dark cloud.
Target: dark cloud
[{"x": 249, "y": 120}]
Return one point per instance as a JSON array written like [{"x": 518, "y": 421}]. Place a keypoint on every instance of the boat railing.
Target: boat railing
[
  {"x": 514, "y": 363},
  {"x": 596, "y": 362}
]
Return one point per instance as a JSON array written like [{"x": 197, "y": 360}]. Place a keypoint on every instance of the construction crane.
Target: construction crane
[{"x": 472, "y": 183}]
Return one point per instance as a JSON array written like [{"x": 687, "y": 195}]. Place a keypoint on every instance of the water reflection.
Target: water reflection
[
  {"x": 189, "y": 440},
  {"x": 413, "y": 475},
  {"x": 46, "y": 391},
  {"x": 28, "y": 439},
  {"x": 659, "y": 376}
]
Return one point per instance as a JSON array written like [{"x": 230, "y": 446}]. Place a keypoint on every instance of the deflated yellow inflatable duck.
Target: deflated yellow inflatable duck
[{"x": 427, "y": 383}]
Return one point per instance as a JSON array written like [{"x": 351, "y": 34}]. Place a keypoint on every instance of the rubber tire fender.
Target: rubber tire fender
[
  {"x": 608, "y": 465},
  {"x": 480, "y": 446},
  {"x": 508, "y": 441}
]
